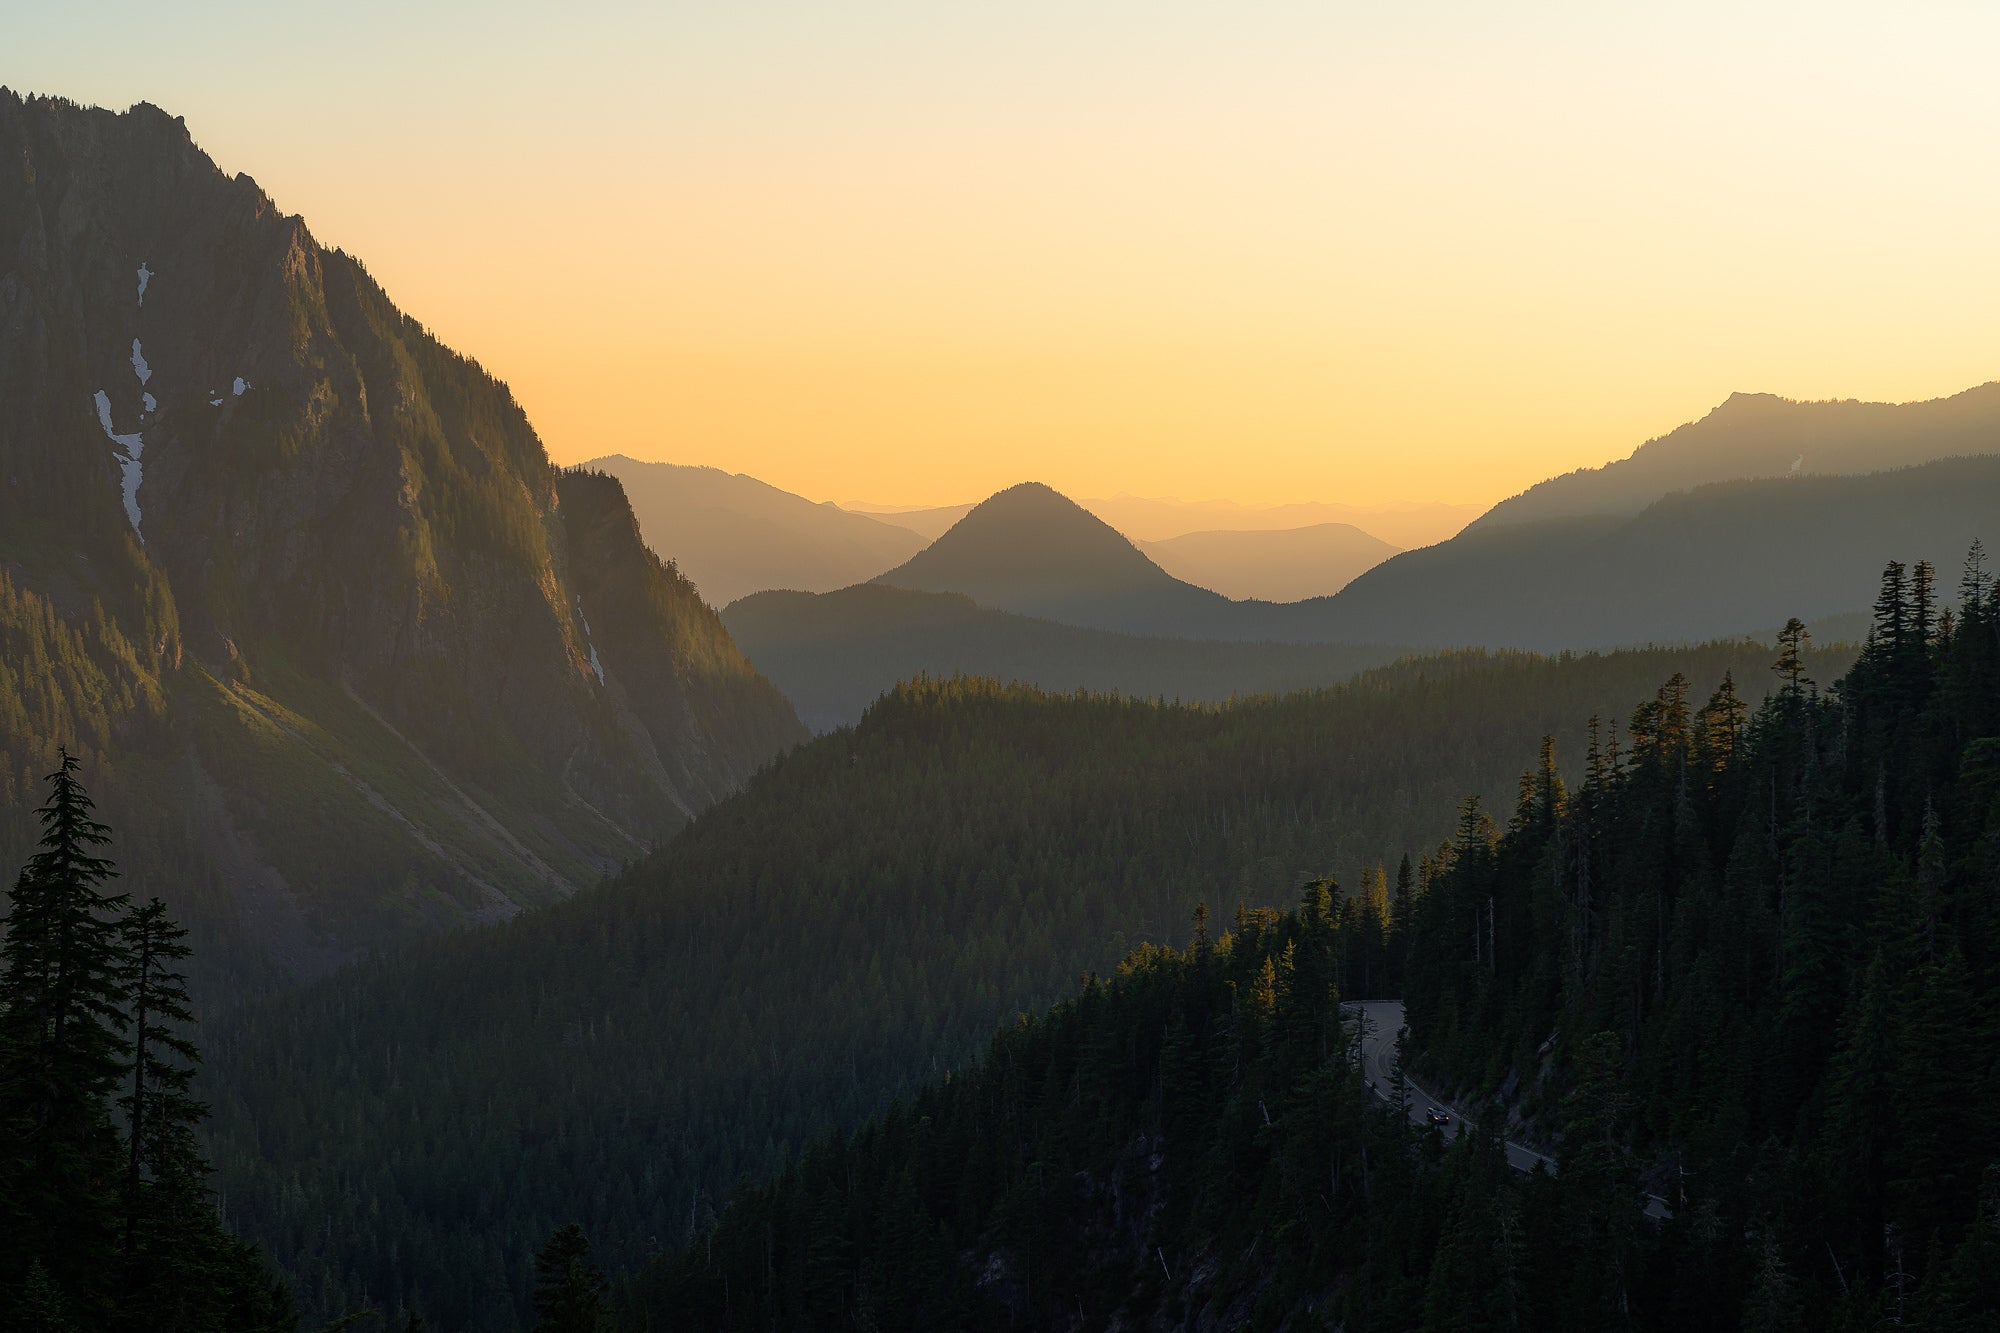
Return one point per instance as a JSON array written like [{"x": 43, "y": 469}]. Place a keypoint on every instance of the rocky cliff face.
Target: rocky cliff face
[{"x": 312, "y": 525}]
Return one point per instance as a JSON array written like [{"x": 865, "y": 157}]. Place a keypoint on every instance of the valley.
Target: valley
[{"x": 510, "y": 853}]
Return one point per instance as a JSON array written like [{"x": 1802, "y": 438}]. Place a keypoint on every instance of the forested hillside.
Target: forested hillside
[
  {"x": 1748, "y": 960},
  {"x": 856, "y": 920},
  {"x": 1780, "y": 930}
]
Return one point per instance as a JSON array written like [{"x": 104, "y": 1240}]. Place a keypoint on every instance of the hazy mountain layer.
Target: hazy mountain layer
[
  {"x": 1731, "y": 558},
  {"x": 928, "y": 523},
  {"x": 1719, "y": 560},
  {"x": 1283, "y": 565},
  {"x": 370, "y": 663},
  {"x": 733, "y": 535},
  {"x": 1400, "y": 525},
  {"x": 1144, "y": 519},
  {"x": 1761, "y": 435},
  {"x": 835, "y": 653}
]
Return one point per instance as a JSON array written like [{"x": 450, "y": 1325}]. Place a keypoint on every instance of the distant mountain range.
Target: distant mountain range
[
  {"x": 835, "y": 653},
  {"x": 1283, "y": 565},
  {"x": 1729, "y": 558},
  {"x": 733, "y": 535},
  {"x": 1404, "y": 525},
  {"x": 1753, "y": 435},
  {"x": 1145, "y": 519},
  {"x": 346, "y": 657},
  {"x": 1721, "y": 560}
]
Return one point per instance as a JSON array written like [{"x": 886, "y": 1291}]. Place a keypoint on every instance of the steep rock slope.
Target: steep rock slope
[
  {"x": 1762, "y": 435},
  {"x": 733, "y": 535},
  {"x": 332, "y": 558}
]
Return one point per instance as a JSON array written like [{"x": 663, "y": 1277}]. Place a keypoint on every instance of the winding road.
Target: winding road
[{"x": 1380, "y": 1021}]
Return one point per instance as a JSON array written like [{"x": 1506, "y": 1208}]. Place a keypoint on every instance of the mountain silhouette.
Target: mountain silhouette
[
  {"x": 1035, "y": 552},
  {"x": 1754, "y": 435},
  {"x": 1730, "y": 558},
  {"x": 733, "y": 535}
]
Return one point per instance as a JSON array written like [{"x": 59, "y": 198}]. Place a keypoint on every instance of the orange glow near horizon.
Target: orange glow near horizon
[{"x": 1345, "y": 253}]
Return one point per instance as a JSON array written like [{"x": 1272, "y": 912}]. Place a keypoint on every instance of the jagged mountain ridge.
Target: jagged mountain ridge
[
  {"x": 335, "y": 549},
  {"x": 1757, "y": 435}
]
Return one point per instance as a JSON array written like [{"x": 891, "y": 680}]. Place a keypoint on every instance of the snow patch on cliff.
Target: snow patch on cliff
[
  {"x": 139, "y": 366},
  {"x": 152, "y": 403},
  {"x": 241, "y": 385},
  {"x": 129, "y": 465},
  {"x": 595, "y": 665},
  {"x": 145, "y": 276}
]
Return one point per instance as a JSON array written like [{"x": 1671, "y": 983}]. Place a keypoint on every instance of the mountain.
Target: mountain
[
  {"x": 853, "y": 922},
  {"x": 1032, "y": 551},
  {"x": 835, "y": 653},
  {"x": 1754, "y": 435},
  {"x": 1719, "y": 560},
  {"x": 1143, "y": 519},
  {"x": 370, "y": 664},
  {"x": 1404, "y": 525},
  {"x": 1282, "y": 565},
  {"x": 733, "y": 535},
  {"x": 929, "y": 523},
  {"x": 1729, "y": 558}
]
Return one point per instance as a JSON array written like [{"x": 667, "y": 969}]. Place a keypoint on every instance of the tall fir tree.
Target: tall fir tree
[
  {"x": 168, "y": 1222},
  {"x": 62, "y": 991},
  {"x": 569, "y": 1290}
]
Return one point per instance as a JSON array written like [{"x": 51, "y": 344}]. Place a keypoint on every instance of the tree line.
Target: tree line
[{"x": 1747, "y": 961}]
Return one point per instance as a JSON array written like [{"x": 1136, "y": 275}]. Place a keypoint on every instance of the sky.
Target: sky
[{"x": 910, "y": 253}]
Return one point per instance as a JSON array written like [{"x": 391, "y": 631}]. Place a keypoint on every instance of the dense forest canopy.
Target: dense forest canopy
[
  {"x": 1749, "y": 957},
  {"x": 858, "y": 920}
]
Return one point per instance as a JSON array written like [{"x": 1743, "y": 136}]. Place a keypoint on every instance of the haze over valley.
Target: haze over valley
[{"x": 667, "y": 759}]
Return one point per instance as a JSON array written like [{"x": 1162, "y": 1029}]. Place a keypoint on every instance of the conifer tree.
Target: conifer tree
[
  {"x": 1793, "y": 640},
  {"x": 62, "y": 971},
  {"x": 167, "y": 1219},
  {"x": 569, "y": 1290}
]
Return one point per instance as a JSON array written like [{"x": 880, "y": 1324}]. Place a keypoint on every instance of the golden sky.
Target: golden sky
[{"x": 913, "y": 252}]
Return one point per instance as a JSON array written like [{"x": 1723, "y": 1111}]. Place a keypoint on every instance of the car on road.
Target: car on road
[{"x": 1437, "y": 1115}]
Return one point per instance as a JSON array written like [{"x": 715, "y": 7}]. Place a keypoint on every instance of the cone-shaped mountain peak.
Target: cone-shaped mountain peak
[{"x": 1033, "y": 550}]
